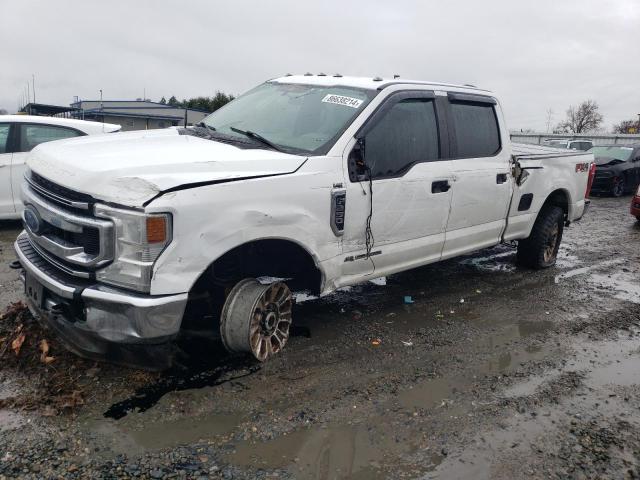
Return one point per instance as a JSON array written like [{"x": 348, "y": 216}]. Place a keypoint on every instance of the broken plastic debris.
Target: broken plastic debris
[
  {"x": 462, "y": 300},
  {"x": 407, "y": 344},
  {"x": 408, "y": 299},
  {"x": 478, "y": 291},
  {"x": 376, "y": 342}
]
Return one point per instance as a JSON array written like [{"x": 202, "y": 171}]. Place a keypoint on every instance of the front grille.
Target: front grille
[
  {"x": 62, "y": 229},
  {"x": 88, "y": 239},
  {"x": 59, "y": 190}
]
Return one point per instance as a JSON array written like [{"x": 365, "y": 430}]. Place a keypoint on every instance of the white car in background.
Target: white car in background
[
  {"x": 577, "y": 144},
  {"x": 19, "y": 134}
]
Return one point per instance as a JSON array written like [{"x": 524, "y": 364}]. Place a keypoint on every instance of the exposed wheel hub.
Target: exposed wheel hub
[{"x": 256, "y": 318}]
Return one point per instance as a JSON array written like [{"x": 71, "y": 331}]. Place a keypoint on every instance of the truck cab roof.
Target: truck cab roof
[{"x": 369, "y": 83}]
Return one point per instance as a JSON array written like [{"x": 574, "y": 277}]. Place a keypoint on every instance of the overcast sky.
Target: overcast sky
[{"x": 535, "y": 55}]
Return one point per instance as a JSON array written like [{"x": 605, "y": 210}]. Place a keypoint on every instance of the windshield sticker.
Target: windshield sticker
[{"x": 340, "y": 100}]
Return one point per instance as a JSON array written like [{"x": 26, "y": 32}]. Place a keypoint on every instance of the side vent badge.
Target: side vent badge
[{"x": 338, "y": 209}]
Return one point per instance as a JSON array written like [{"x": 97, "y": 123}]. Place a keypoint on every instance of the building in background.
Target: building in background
[
  {"x": 136, "y": 114},
  {"x": 45, "y": 110}
]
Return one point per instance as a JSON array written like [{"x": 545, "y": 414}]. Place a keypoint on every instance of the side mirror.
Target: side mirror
[{"x": 356, "y": 161}]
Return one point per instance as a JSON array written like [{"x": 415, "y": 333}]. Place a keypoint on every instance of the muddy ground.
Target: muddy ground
[{"x": 493, "y": 372}]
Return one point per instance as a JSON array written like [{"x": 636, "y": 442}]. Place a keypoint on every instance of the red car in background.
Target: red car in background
[{"x": 635, "y": 204}]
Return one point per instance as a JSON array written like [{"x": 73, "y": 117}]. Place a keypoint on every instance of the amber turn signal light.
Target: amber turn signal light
[{"x": 156, "y": 229}]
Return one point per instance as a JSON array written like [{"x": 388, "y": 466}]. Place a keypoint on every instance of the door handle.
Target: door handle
[
  {"x": 440, "y": 186},
  {"x": 501, "y": 178}
]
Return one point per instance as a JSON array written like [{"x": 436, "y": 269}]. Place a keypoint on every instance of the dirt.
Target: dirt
[{"x": 493, "y": 372}]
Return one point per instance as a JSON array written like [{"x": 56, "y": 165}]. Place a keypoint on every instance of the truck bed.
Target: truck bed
[{"x": 527, "y": 151}]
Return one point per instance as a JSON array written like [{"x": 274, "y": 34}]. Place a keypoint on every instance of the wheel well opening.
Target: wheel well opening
[
  {"x": 277, "y": 258},
  {"x": 558, "y": 198}
]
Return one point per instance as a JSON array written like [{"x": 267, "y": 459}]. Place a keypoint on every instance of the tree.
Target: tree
[
  {"x": 208, "y": 104},
  {"x": 581, "y": 119},
  {"x": 163, "y": 101},
  {"x": 3, "y": 111},
  {"x": 627, "y": 126}
]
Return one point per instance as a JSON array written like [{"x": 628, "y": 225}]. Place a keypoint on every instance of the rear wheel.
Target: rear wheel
[
  {"x": 540, "y": 250},
  {"x": 618, "y": 188},
  {"x": 256, "y": 318}
]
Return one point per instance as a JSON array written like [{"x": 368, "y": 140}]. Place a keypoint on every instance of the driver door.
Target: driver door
[{"x": 399, "y": 188}]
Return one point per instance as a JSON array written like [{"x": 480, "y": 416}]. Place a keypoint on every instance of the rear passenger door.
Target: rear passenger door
[
  {"x": 6, "y": 193},
  {"x": 30, "y": 135},
  {"x": 482, "y": 183}
]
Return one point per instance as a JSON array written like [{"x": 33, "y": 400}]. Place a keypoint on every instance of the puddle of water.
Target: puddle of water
[
  {"x": 498, "y": 262},
  {"x": 430, "y": 393},
  {"x": 606, "y": 365},
  {"x": 625, "y": 285},
  {"x": 582, "y": 270},
  {"x": 335, "y": 452},
  {"x": 140, "y": 436},
  {"x": 10, "y": 420},
  {"x": 436, "y": 392}
]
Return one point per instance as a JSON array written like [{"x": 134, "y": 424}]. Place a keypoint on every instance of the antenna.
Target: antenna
[{"x": 33, "y": 81}]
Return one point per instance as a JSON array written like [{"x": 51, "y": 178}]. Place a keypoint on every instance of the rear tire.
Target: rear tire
[
  {"x": 540, "y": 250},
  {"x": 618, "y": 188}
]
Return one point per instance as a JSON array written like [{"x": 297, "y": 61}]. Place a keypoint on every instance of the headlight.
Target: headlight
[{"x": 140, "y": 238}]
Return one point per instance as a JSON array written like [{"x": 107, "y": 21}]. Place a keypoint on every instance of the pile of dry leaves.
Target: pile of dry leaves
[{"x": 53, "y": 379}]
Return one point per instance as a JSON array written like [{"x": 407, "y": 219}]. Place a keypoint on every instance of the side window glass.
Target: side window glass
[
  {"x": 476, "y": 129},
  {"x": 33, "y": 135},
  {"x": 4, "y": 137},
  {"x": 408, "y": 133}
]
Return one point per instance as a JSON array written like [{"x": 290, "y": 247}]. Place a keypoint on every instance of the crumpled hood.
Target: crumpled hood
[{"x": 131, "y": 168}]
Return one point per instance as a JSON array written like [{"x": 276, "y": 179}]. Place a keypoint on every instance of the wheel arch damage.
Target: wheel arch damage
[{"x": 273, "y": 257}]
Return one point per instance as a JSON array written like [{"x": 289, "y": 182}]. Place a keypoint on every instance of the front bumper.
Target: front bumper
[{"x": 101, "y": 322}]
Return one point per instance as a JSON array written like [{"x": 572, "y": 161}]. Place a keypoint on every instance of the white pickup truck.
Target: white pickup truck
[{"x": 308, "y": 182}]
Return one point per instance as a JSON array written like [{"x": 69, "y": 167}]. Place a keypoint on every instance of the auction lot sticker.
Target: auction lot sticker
[{"x": 341, "y": 100}]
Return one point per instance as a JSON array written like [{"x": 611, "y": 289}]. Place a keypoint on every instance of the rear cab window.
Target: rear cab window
[
  {"x": 32, "y": 135},
  {"x": 476, "y": 132}
]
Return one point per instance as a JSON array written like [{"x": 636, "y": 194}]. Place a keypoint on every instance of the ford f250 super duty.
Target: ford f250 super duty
[{"x": 305, "y": 183}]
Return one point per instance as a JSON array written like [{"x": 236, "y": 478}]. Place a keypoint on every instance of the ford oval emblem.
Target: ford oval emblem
[{"x": 32, "y": 219}]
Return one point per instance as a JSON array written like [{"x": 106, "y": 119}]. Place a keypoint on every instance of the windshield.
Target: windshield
[
  {"x": 612, "y": 153},
  {"x": 294, "y": 118}
]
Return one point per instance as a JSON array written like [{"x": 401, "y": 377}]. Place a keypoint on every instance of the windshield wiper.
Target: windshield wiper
[
  {"x": 258, "y": 137},
  {"x": 202, "y": 124}
]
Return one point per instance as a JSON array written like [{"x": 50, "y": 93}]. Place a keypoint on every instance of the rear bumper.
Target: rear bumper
[{"x": 98, "y": 322}]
